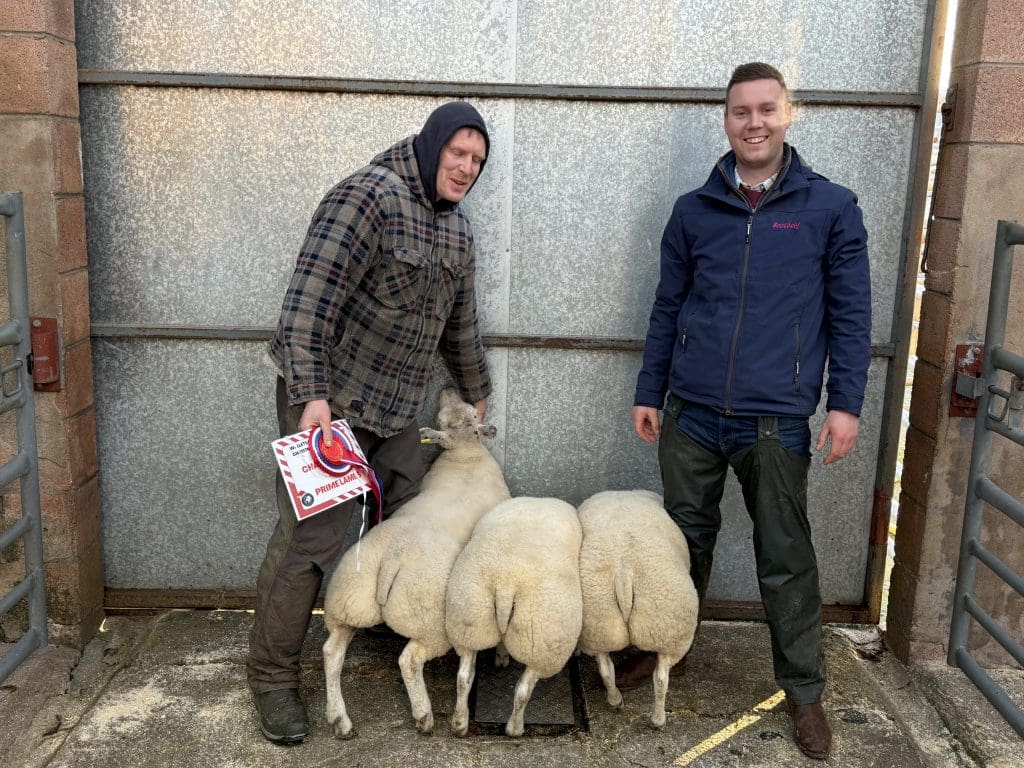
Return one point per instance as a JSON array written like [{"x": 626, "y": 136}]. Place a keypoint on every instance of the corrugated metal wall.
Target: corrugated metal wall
[{"x": 199, "y": 188}]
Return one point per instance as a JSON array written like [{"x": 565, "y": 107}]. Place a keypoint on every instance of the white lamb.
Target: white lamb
[
  {"x": 637, "y": 590},
  {"x": 516, "y": 583},
  {"x": 398, "y": 572}
]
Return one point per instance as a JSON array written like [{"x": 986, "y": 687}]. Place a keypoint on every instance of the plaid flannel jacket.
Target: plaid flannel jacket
[{"x": 382, "y": 283}]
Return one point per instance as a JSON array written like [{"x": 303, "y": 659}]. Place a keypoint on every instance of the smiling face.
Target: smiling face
[
  {"x": 757, "y": 116},
  {"x": 459, "y": 164}
]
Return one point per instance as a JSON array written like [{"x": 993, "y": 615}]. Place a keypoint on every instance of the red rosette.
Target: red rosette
[{"x": 334, "y": 459}]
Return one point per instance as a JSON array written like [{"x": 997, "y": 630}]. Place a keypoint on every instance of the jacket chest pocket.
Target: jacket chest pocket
[
  {"x": 453, "y": 269},
  {"x": 401, "y": 283}
]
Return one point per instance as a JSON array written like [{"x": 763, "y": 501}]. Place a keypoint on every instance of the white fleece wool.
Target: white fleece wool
[
  {"x": 517, "y": 583},
  {"x": 399, "y": 572},
  {"x": 635, "y": 578}
]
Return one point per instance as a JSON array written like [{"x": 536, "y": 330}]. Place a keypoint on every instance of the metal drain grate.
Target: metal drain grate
[{"x": 557, "y": 706}]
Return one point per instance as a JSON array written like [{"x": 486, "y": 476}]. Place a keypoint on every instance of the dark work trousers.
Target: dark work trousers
[
  {"x": 774, "y": 483},
  {"x": 300, "y": 552}
]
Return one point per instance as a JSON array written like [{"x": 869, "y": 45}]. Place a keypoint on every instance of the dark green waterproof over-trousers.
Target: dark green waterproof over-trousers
[
  {"x": 299, "y": 554},
  {"x": 774, "y": 483}
]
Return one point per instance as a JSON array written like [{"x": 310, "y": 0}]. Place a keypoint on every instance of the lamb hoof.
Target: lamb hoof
[
  {"x": 656, "y": 725},
  {"x": 615, "y": 703},
  {"x": 459, "y": 727},
  {"x": 343, "y": 729},
  {"x": 513, "y": 731},
  {"x": 425, "y": 724},
  {"x": 616, "y": 707}
]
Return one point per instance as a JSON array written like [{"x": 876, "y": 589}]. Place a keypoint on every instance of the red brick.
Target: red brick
[
  {"x": 74, "y": 586},
  {"x": 933, "y": 343},
  {"x": 71, "y": 522},
  {"x": 71, "y": 233},
  {"x": 997, "y": 105},
  {"x": 81, "y": 437},
  {"x": 54, "y": 17},
  {"x": 899, "y": 621},
  {"x": 74, "y": 306},
  {"x": 943, "y": 255},
  {"x": 929, "y": 398},
  {"x": 67, "y": 150},
  {"x": 77, "y": 386},
  {"x": 911, "y": 529},
  {"x": 950, "y": 186},
  {"x": 918, "y": 456},
  {"x": 992, "y": 31},
  {"x": 40, "y": 76}
]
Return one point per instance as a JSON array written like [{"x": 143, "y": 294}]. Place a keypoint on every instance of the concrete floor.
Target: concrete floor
[{"x": 169, "y": 690}]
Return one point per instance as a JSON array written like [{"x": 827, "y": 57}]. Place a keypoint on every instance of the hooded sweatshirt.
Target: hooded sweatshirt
[
  {"x": 442, "y": 124},
  {"x": 384, "y": 280}
]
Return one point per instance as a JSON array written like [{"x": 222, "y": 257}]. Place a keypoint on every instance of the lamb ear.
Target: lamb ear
[
  {"x": 428, "y": 435},
  {"x": 487, "y": 430}
]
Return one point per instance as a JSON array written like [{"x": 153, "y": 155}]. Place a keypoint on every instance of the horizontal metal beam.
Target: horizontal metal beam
[
  {"x": 997, "y": 566},
  {"x": 19, "y": 528},
  {"x": 498, "y": 340},
  {"x": 628, "y": 94},
  {"x": 1006, "y": 706},
  {"x": 15, "y": 468},
  {"x": 128, "y": 600},
  {"x": 990, "y": 492}
]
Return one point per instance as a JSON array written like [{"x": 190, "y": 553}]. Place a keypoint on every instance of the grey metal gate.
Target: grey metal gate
[
  {"x": 999, "y": 413},
  {"x": 16, "y": 393}
]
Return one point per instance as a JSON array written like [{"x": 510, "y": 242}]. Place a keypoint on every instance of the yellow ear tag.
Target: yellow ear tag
[{"x": 424, "y": 441}]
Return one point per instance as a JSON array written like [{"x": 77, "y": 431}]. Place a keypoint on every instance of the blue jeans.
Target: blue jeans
[{"x": 725, "y": 435}]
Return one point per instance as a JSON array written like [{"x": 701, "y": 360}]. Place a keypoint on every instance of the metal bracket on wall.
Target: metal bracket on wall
[
  {"x": 45, "y": 354},
  {"x": 948, "y": 109},
  {"x": 967, "y": 384}
]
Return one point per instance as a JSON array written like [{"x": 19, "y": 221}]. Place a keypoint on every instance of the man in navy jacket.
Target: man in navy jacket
[{"x": 764, "y": 277}]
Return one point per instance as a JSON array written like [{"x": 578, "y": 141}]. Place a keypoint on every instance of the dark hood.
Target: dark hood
[{"x": 439, "y": 128}]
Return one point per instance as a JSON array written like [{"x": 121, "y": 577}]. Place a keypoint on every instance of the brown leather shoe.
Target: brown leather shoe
[
  {"x": 811, "y": 731},
  {"x": 638, "y": 670}
]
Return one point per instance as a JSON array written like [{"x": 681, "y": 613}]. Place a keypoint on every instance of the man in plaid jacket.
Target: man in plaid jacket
[{"x": 384, "y": 280}]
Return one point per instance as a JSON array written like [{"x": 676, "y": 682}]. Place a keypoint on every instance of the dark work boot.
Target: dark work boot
[
  {"x": 282, "y": 716},
  {"x": 638, "y": 670},
  {"x": 811, "y": 731}
]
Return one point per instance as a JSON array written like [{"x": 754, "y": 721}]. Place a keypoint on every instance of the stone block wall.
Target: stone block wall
[
  {"x": 980, "y": 180},
  {"x": 40, "y": 156}
]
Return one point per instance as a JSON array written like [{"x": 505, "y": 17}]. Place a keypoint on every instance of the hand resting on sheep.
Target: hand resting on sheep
[{"x": 399, "y": 571}]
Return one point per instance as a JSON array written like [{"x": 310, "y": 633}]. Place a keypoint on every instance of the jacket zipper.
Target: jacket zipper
[
  {"x": 796, "y": 360},
  {"x": 739, "y": 319},
  {"x": 727, "y": 400}
]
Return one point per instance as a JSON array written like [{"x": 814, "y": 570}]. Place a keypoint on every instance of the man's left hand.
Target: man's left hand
[
  {"x": 481, "y": 409},
  {"x": 842, "y": 428}
]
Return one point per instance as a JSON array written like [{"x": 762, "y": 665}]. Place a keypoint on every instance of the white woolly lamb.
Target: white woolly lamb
[
  {"x": 398, "y": 572},
  {"x": 516, "y": 583},
  {"x": 637, "y": 590}
]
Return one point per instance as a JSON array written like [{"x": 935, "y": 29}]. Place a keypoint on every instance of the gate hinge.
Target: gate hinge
[
  {"x": 968, "y": 385},
  {"x": 948, "y": 109}
]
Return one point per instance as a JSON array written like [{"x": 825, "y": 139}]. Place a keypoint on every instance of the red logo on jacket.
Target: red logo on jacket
[{"x": 785, "y": 225}]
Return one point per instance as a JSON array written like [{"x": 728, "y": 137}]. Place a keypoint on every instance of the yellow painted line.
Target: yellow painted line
[{"x": 730, "y": 730}]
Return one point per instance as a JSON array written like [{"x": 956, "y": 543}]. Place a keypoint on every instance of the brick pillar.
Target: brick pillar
[
  {"x": 40, "y": 155},
  {"x": 980, "y": 180}
]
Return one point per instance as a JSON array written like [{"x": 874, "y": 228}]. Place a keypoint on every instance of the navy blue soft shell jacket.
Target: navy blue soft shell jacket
[{"x": 750, "y": 303}]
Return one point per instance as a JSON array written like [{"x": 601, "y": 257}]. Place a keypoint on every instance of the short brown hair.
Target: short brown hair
[{"x": 755, "y": 70}]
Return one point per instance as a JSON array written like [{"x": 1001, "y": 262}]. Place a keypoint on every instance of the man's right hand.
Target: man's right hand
[
  {"x": 317, "y": 413},
  {"x": 646, "y": 422}
]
